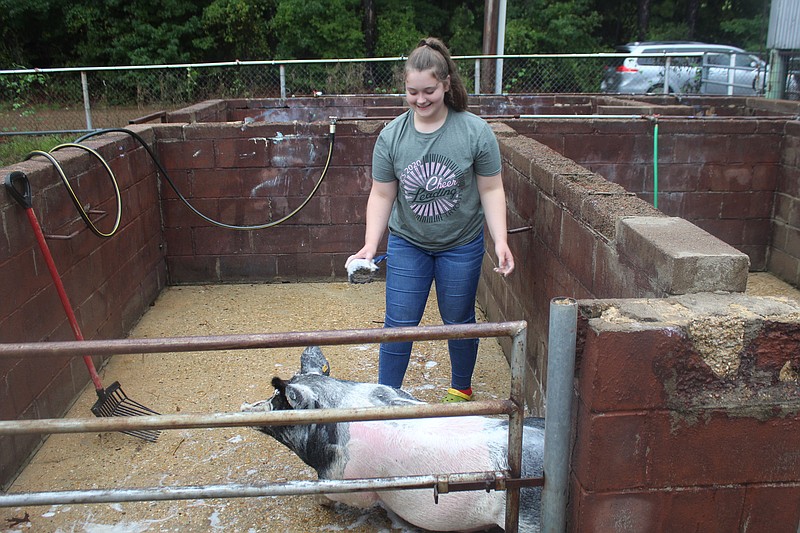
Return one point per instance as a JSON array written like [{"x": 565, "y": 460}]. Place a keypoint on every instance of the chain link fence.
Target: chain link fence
[
  {"x": 83, "y": 99},
  {"x": 76, "y": 99},
  {"x": 792, "y": 91}
]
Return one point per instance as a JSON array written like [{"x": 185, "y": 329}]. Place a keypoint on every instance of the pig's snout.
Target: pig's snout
[{"x": 257, "y": 407}]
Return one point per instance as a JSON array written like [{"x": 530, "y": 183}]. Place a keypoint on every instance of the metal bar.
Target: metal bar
[
  {"x": 514, "y": 407},
  {"x": 147, "y": 118},
  {"x": 562, "y": 335},
  {"x": 87, "y": 108},
  {"x": 258, "y": 340},
  {"x": 731, "y": 74},
  {"x": 100, "y": 216},
  {"x": 477, "y": 76},
  {"x": 41, "y": 132},
  {"x": 501, "y": 45},
  {"x": 448, "y": 482},
  {"x": 516, "y": 419},
  {"x": 237, "y": 63},
  {"x": 236, "y": 419}
]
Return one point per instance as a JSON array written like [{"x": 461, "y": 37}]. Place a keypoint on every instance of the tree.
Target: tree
[
  {"x": 309, "y": 29},
  {"x": 237, "y": 29},
  {"x": 369, "y": 26},
  {"x": 135, "y": 32},
  {"x": 643, "y": 18},
  {"x": 542, "y": 27},
  {"x": 31, "y": 35}
]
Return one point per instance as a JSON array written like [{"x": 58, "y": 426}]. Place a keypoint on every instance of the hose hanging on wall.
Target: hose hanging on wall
[
  {"x": 208, "y": 219},
  {"x": 81, "y": 210},
  {"x": 85, "y": 216}
]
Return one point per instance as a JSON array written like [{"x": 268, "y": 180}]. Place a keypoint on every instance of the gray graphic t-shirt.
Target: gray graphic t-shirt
[{"x": 438, "y": 205}]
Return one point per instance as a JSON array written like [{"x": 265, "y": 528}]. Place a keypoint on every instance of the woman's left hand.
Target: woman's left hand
[{"x": 505, "y": 261}]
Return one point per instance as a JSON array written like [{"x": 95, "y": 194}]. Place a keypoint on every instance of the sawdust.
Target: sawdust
[
  {"x": 219, "y": 382},
  {"x": 765, "y": 284}
]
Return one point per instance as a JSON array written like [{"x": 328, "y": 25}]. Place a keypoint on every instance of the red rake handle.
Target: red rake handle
[{"x": 24, "y": 198}]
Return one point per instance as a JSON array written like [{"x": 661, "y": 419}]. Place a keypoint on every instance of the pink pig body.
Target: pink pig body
[
  {"x": 390, "y": 448},
  {"x": 423, "y": 447}
]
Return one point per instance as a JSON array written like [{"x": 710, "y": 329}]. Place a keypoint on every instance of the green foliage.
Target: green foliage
[
  {"x": 746, "y": 32},
  {"x": 15, "y": 149},
  {"x": 30, "y": 33},
  {"x": 311, "y": 29},
  {"x": 237, "y": 29},
  {"x": 135, "y": 32},
  {"x": 397, "y": 33},
  {"x": 466, "y": 32},
  {"x": 545, "y": 27},
  {"x": 15, "y": 90}
]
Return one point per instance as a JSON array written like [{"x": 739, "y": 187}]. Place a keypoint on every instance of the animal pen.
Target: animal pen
[{"x": 678, "y": 369}]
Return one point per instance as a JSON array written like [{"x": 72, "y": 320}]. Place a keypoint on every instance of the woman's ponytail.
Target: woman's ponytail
[{"x": 432, "y": 54}]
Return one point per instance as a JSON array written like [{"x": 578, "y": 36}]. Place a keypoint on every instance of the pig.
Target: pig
[{"x": 391, "y": 448}]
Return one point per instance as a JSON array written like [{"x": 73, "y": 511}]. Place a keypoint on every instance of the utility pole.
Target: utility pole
[{"x": 490, "y": 17}]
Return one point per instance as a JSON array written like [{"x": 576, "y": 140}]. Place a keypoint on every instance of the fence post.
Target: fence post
[
  {"x": 283, "y": 81},
  {"x": 558, "y": 416},
  {"x": 87, "y": 108},
  {"x": 501, "y": 43},
  {"x": 477, "y": 76}
]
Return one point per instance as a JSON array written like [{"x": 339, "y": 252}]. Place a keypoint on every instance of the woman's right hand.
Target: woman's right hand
[{"x": 365, "y": 253}]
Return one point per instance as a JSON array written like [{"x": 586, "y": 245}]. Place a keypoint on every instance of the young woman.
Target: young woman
[{"x": 436, "y": 182}]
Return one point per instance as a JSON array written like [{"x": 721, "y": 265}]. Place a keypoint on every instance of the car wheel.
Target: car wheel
[{"x": 658, "y": 88}]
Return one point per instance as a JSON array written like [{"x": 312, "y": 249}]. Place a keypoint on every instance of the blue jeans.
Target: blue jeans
[{"x": 409, "y": 273}]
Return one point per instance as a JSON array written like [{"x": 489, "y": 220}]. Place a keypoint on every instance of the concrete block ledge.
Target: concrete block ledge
[{"x": 679, "y": 257}]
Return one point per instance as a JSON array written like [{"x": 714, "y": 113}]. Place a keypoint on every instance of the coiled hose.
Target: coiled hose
[{"x": 85, "y": 216}]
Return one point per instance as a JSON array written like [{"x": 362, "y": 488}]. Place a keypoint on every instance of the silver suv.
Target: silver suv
[{"x": 693, "y": 68}]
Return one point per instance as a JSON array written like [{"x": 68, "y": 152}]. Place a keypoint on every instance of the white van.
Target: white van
[{"x": 693, "y": 68}]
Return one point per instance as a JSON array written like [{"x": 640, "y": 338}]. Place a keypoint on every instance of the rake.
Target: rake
[{"x": 111, "y": 401}]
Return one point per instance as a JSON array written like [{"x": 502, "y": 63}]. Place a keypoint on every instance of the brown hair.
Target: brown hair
[{"x": 432, "y": 54}]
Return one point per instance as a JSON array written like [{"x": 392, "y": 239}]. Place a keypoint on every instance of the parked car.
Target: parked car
[{"x": 710, "y": 69}]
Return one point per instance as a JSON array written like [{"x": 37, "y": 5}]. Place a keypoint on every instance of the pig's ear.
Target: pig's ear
[
  {"x": 279, "y": 384},
  {"x": 299, "y": 397},
  {"x": 313, "y": 362}
]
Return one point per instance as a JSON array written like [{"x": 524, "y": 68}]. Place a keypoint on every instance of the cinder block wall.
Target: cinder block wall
[
  {"x": 589, "y": 238},
  {"x": 784, "y": 256},
  {"x": 109, "y": 282},
  {"x": 719, "y": 173},
  {"x": 668, "y": 436},
  {"x": 246, "y": 175},
  {"x": 585, "y": 237}
]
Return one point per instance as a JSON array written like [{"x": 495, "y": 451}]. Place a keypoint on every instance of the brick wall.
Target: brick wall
[
  {"x": 720, "y": 174},
  {"x": 255, "y": 175},
  {"x": 668, "y": 437},
  {"x": 109, "y": 282},
  {"x": 587, "y": 237},
  {"x": 784, "y": 257}
]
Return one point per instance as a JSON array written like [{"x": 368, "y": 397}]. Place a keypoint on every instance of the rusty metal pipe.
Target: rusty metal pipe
[
  {"x": 514, "y": 407},
  {"x": 443, "y": 483},
  {"x": 516, "y": 419},
  {"x": 234, "y": 419},
  {"x": 258, "y": 340}
]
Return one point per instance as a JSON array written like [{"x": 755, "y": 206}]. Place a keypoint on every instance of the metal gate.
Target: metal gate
[{"x": 509, "y": 480}]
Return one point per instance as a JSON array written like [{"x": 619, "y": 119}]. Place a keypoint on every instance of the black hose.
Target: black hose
[
  {"x": 73, "y": 196},
  {"x": 194, "y": 209}
]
